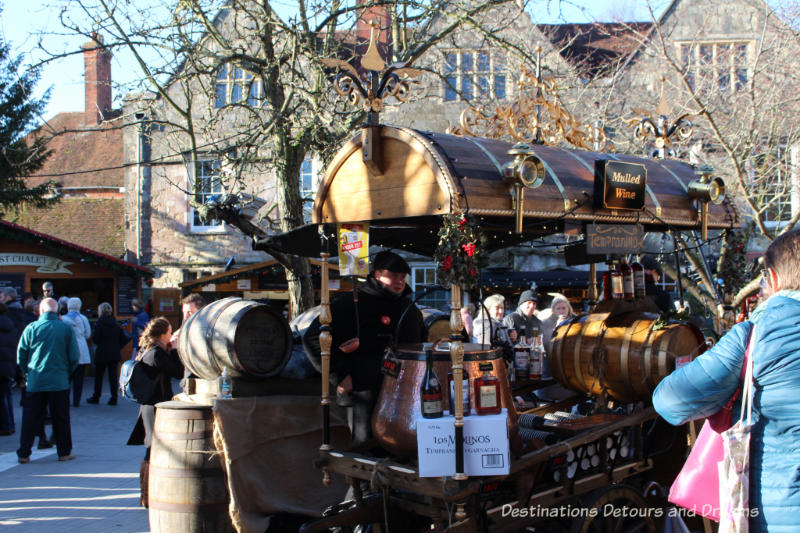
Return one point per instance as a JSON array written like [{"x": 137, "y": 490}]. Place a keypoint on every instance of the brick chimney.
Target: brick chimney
[
  {"x": 97, "y": 80},
  {"x": 382, "y": 15}
]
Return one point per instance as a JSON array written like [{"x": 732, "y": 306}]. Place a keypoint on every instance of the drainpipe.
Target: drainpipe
[{"x": 140, "y": 118}]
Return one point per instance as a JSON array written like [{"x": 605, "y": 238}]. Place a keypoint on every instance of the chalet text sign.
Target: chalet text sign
[
  {"x": 44, "y": 263},
  {"x": 614, "y": 238},
  {"x": 620, "y": 185}
]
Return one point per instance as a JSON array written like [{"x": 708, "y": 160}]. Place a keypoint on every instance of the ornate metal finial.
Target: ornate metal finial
[
  {"x": 660, "y": 128},
  {"x": 379, "y": 83},
  {"x": 536, "y": 116}
]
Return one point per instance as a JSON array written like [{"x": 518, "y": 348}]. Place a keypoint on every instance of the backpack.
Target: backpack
[{"x": 135, "y": 383}]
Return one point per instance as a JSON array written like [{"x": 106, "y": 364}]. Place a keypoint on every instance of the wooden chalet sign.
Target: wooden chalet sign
[{"x": 619, "y": 185}]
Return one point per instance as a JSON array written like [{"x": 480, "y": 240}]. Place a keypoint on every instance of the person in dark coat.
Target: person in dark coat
[
  {"x": 9, "y": 336},
  {"x": 109, "y": 338},
  {"x": 140, "y": 321},
  {"x": 163, "y": 364},
  {"x": 652, "y": 273},
  {"x": 381, "y": 301}
]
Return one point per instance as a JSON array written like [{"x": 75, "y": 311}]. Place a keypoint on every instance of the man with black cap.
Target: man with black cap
[
  {"x": 363, "y": 329},
  {"x": 652, "y": 273},
  {"x": 524, "y": 316}
]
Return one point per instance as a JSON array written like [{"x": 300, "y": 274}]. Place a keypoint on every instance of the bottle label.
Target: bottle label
[
  {"x": 464, "y": 394},
  {"x": 488, "y": 396},
  {"x": 521, "y": 358},
  {"x": 431, "y": 403},
  {"x": 627, "y": 283},
  {"x": 616, "y": 285},
  {"x": 535, "y": 369}
]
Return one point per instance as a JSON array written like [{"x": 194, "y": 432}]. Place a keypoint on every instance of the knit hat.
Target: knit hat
[
  {"x": 390, "y": 261},
  {"x": 528, "y": 295}
]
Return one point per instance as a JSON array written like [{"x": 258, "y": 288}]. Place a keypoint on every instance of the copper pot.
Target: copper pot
[{"x": 399, "y": 402}]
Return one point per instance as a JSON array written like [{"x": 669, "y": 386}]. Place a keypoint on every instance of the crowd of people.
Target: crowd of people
[{"x": 46, "y": 345}]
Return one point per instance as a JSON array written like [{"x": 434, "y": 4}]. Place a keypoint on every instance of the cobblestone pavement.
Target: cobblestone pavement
[{"x": 97, "y": 492}]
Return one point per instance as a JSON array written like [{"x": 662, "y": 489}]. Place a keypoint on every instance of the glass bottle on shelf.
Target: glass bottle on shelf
[
  {"x": 607, "y": 284},
  {"x": 487, "y": 391},
  {"x": 431, "y": 389},
  {"x": 537, "y": 357},
  {"x": 225, "y": 384},
  {"x": 627, "y": 279},
  {"x": 617, "y": 292},
  {"x": 464, "y": 390},
  {"x": 522, "y": 355},
  {"x": 638, "y": 278}
]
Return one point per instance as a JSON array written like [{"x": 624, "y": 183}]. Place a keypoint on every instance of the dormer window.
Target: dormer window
[{"x": 234, "y": 84}]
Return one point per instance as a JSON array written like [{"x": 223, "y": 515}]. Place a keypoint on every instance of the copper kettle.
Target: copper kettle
[{"x": 399, "y": 402}]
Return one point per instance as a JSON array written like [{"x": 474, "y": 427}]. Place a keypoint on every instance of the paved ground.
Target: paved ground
[{"x": 97, "y": 492}]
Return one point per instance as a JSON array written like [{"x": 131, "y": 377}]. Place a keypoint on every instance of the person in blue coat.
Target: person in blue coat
[{"x": 702, "y": 387}]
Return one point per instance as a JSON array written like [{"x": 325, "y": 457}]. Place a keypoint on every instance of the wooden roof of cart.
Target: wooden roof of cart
[{"x": 424, "y": 174}]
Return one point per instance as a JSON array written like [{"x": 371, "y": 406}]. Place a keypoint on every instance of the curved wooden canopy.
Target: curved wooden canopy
[{"x": 424, "y": 174}]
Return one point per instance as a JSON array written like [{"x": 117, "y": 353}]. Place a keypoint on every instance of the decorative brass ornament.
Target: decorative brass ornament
[
  {"x": 663, "y": 132},
  {"x": 381, "y": 82},
  {"x": 706, "y": 189},
  {"x": 524, "y": 171},
  {"x": 537, "y": 115}
]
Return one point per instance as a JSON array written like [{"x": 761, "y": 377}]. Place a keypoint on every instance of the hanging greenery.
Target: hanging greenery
[{"x": 461, "y": 251}]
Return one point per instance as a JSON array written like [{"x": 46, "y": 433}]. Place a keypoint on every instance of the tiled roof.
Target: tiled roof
[
  {"x": 82, "y": 156},
  {"x": 591, "y": 47},
  {"x": 96, "y": 224}
]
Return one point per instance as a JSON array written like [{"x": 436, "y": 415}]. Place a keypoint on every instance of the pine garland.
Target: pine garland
[{"x": 461, "y": 251}]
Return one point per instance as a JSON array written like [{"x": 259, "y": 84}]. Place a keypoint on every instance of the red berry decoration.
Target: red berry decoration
[{"x": 385, "y": 320}]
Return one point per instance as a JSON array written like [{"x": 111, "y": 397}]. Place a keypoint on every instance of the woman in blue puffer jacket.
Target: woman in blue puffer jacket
[{"x": 702, "y": 387}]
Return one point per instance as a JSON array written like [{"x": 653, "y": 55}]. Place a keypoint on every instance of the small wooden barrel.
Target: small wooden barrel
[
  {"x": 187, "y": 481},
  {"x": 437, "y": 323},
  {"x": 249, "y": 338},
  {"x": 623, "y": 356}
]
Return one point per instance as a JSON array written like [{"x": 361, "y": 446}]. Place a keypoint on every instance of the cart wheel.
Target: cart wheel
[{"x": 615, "y": 509}]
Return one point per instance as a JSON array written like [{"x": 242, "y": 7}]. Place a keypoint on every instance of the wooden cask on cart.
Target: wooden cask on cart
[
  {"x": 187, "y": 485},
  {"x": 625, "y": 355},
  {"x": 248, "y": 338}
]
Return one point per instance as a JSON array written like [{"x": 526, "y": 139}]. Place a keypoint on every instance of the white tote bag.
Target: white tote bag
[{"x": 734, "y": 469}]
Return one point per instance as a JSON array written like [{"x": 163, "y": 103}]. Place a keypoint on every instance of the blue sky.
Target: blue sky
[{"x": 26, "y": 23}]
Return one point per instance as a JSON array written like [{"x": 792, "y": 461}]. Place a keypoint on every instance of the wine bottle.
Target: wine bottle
[
  {"x": 638, "y": 278},
  {"x": 617, "y": 291},
  {"x": 451, "y": 386},
  {"x": 522, "y": 355},
  {"x": 431, "y": 389},
  {"x": 627, "y": 280}
]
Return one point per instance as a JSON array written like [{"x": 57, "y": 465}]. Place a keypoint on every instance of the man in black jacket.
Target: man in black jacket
[{"x": 374, "y": 319}]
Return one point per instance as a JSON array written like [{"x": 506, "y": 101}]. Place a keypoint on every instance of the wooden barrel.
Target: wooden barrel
[
  {"x": 187, "y": 481},
  {"x": 247, "y": 337},
  {"x": 624, "y": 356},
  {"x": 437, "y": 323}
]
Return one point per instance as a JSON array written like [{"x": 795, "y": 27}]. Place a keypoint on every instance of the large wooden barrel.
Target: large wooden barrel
[
  {"x": 247, "y": 337},
  {"x": 624, "y": 356},
  {"x": 187, "y": 481},
  {"x": 437, "y": 324}
]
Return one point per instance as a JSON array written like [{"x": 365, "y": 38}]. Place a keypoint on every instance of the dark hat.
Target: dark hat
[
  {"x": 650, "y": 263},
  {"x": 528, "y": 295},
  {"x": 390, "y": 261}
]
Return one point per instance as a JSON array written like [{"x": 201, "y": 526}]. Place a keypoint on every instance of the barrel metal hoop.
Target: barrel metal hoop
[
  {"x": 624, "y": 352},
  {"x": 647, "y": 353},
  {"x": 662, "y": 357},
  {"x": 189, "y": 435},
  {"x": 213, "y": 329},
  {"x": 172, "y": 507},
  {"x": 186, "y": 473},
  {"x": 185, "y": 414}
]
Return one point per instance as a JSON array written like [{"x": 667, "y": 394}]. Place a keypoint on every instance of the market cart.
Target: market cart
[{"x": 403, "y": 181}]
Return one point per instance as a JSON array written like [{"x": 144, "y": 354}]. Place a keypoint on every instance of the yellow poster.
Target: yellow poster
[{"x": 353, "y": 249}]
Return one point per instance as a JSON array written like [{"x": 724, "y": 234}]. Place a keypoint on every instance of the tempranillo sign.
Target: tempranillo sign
[{"x": 619, "y": 185}]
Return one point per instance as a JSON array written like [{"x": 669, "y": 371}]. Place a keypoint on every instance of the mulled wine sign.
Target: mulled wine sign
[{"x": 619, "y": 185}]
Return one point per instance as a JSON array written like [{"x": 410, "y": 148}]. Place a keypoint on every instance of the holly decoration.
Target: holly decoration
[{"x": 461, "y": 251}]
